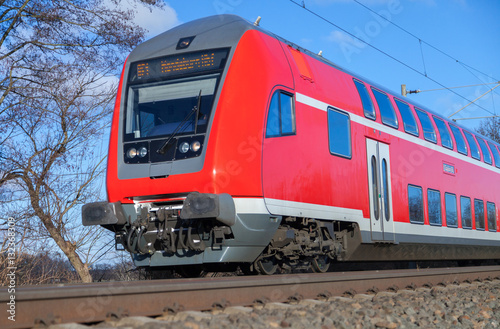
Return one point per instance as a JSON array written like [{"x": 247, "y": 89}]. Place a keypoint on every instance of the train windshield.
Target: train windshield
[{"x": 179, "y": 106}]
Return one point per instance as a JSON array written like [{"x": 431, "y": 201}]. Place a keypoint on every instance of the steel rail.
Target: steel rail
[{"x": 87, "y": 303}]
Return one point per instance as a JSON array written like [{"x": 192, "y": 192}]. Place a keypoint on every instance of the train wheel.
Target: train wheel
[
  {"x": 267, "y": 265},
  {"x": 320, "y": 264}
]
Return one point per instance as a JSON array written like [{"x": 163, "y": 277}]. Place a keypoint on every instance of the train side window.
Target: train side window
[
  {"x": 446, "y": 140},
  {"x": 492, "y": 218},
  {"x": 366, "y": 101},
  {"x": 386, "y": 110},
  {"x": 281, "y": 117},
  {"x": 385, "y": 183},
  {"x": 496, "y": 154},
  {"x": 339, "y": 133},
  {"x": 484, "y": 150},
  {"x": 416, "y": 204},
  {"x": 409, "y": 122},
  {"x": 374, "y": 183},
  {"x": 287, "y": 114},
  {"x": 451, "y": 209},
  {"x": 479, "y": 214},
  {"x": 429, "y": 132},
  {"x": 459, "y": 138},
  {"x": 474, "y": 150},
  {"x": 466, "y": 212},
  {"x": 434, "y": 207}
]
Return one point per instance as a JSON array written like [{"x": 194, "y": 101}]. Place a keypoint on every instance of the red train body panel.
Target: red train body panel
[{"x": 278, "y": 188}]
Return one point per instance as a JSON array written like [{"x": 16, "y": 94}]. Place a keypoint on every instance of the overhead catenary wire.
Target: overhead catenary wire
[
  {"x": 468, "y": 86},
  {"x": 386, "y": 54},
  {"x": 422, "y": 41},
  {"x": 464, "y": 65}
]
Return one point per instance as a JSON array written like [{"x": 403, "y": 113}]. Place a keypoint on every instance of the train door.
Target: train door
[{"x": 379, "y": 179}]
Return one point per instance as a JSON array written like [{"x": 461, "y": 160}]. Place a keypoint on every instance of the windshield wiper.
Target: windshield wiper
[{"x": 163, "y": 149}]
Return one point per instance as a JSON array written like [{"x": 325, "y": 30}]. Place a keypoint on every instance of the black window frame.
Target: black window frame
[
  {"x": 421, "y": 210},
  {"x": 429, "y": 190},
  {"x": 476, "y": 215},
  {"x": 446, "y": 132},
  {"x": 496, "y": 153},
  {"x": 494, "y": 221},
  {"x": 487, "y": 156},
  {"x": 423, "y": 114},
  {"x": 387, "y": 106},
  {"x": 460, "y": 139},
  {"x": 446, "y": 195},
  {"x": 280, "y": 92},
  {"x": 463, "y": 197},
  {"x": 346, "y": 114},
  {"x": 474, "y": 143},
  {"x": 366, "y": 100},
  {"x": 385, "y": 188},
  {"x": 407, "y": 111}
]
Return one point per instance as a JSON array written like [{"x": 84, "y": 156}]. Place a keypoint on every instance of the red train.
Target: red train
[{"x": 231, "y": 146}]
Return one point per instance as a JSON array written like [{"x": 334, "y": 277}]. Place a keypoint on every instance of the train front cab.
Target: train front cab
[{"x": 184, "y": 191}]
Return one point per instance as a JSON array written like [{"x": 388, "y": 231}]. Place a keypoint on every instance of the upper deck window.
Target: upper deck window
[
  {"x": 368, "y": 108},
  {"x": 496, "y": 154},
  {"x": 339, "y": 133},
  {"x": 474, "y": 150},
  {"x": 409, "y": 122},
  {"x": 386, "y": 110},
  {"x": 429, "y": 132},
  {"x": 281, "y": 117},
  {"x": 484, "y": 150},
  {"x": 446, "y": 140},
  {"x": 459, "y": 138}
]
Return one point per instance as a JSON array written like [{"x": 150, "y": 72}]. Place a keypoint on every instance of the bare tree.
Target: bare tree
[
  {"x": 59, "y": 59},
  {"x": 490, "y": 128}
]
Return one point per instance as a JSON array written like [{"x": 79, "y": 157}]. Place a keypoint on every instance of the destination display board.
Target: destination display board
[{"x": 188, "y": 63}]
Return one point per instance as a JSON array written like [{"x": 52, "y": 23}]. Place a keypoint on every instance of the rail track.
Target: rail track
[{"x": 88, "y": 303}]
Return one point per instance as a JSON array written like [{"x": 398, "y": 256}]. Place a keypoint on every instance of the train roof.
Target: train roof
[{"x": 230, "y": 28}]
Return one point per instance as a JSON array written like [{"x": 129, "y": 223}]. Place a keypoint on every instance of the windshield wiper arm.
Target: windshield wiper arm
[{"x": 196, "y": 110}]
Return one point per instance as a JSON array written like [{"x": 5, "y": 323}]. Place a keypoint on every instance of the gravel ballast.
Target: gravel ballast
[{"x": 468, "y": 305}]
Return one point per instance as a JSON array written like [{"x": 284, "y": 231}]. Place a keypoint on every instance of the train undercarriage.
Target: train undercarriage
[
  {"x": 301, "y": 244},
  {"x": 204, "y": 233},
  {"x": 202, "y": 224}
]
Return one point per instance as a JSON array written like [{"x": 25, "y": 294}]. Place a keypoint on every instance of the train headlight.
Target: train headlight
[
  {"x": 184, "y": 147},
  {"x": 195, "y": 146},
  {"x": 131, "y": 153},
  {"x": 142, "y": 152}
]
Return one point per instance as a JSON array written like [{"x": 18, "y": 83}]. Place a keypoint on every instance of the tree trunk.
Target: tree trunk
[{"x": 69, "y": 250}]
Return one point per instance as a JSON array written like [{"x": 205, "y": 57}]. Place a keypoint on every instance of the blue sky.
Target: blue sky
[{"x": 465, "y": 30}]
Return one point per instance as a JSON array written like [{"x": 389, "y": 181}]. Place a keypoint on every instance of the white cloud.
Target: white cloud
[
  {"x": 343, "y": 38},
  {"x": 156, "y": 20}
]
